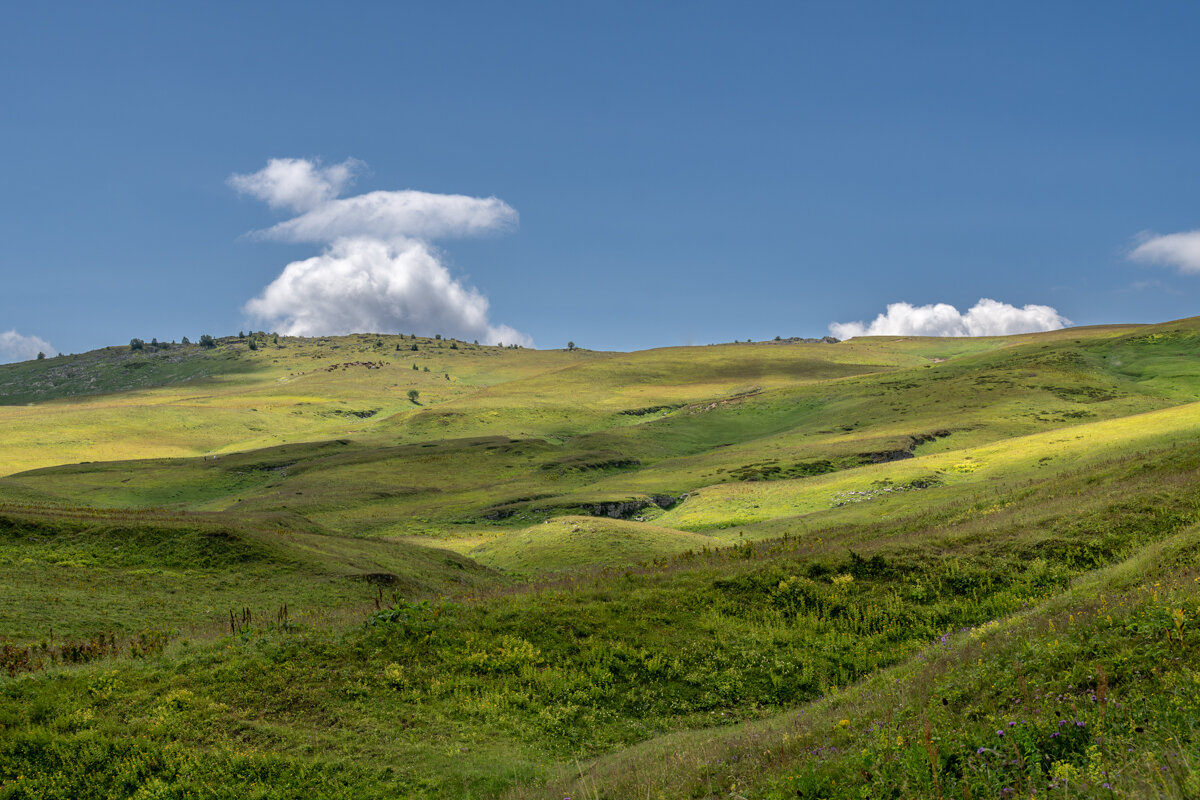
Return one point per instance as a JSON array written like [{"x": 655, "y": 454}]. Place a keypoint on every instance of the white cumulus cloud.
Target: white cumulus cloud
[
  {"x": 372, "y": 285},
  {"x": 296, "y": 183},
  {"x": 385, "y": 215},
  {"x": 378, "y": 272},
  {"x": 1179, "y": 250},
  {"x": 985, "y": 318},
  {"x": 15, "y": 347}
]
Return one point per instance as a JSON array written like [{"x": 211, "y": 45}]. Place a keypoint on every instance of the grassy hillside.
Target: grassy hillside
[
  {"x": 72, "y": 575},
  {"x": 581, "y": 543},
  {"x": 189, "y": 400},
  {"x": 889, "y": 567}
]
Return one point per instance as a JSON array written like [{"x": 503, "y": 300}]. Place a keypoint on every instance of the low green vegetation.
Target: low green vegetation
[
  {"x": 878, "y": 568},
  {"x": 565, "y": 544},
  {"x": 67, "y": 576}
]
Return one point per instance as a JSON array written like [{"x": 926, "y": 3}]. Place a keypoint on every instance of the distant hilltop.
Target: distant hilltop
[{"x": 801, "y": 340}]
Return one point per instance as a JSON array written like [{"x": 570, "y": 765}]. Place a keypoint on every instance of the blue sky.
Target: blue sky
[{"x": 683, "y": 172}]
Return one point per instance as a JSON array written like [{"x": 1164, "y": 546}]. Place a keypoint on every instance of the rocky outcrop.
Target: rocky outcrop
[
  {"x": 641, "y": 412},
  {"x": 884, "y": 456},
  {"x": 615, "y": 509},
  {"x": 626, "y": 509},
  {"x": 618, "y": 509}
]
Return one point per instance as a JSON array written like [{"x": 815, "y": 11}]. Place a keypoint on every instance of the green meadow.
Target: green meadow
[{"x": 891, "y": 567}]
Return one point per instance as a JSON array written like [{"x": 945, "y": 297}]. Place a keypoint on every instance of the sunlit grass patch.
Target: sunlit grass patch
[
  {"x": 583, "y": 543},
  {"x": 728, "y": 505}
]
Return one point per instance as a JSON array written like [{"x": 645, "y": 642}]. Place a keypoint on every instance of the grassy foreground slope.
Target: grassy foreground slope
[
  {"x": 71, "y": 575},
  {"x": 1091, "y": 694},
  {"x": 881, "y": 568}
]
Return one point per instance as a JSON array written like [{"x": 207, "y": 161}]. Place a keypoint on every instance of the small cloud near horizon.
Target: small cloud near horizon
[
  {"x": 15, "y": 347},
  {"x": 373, "y": 286},
  {"x": 1179, "y": 250},
  {"x": 985, "y": 318},
  {"x": 378, "y": 272}
]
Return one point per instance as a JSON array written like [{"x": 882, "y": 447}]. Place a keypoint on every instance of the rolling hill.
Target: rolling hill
[{"x": 886, "y": 567}]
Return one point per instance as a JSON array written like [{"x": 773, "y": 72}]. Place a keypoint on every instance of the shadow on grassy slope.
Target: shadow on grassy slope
[
  {"x": 80, "y": 572},
  {"x": 117, "y": 369}
]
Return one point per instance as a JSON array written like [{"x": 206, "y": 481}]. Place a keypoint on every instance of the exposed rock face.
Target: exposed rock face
[
  {"x": 641, "y": 412},
  {"x": 618, "y": 510},
  {"x": 884, "y": 456},
  {"x": 628, "y": 508},
  {"x": 929, "y": 437}
]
